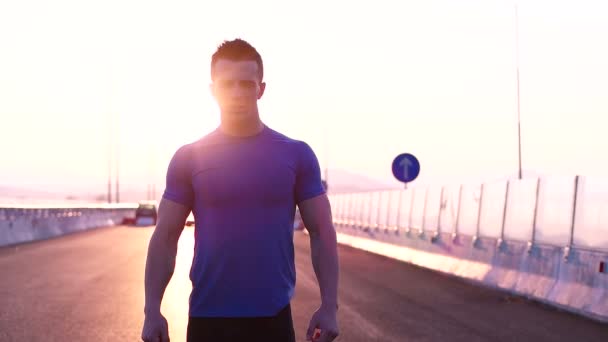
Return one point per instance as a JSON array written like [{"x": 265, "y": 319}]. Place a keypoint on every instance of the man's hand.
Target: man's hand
[
  {"x": 324, "y": 320},
  {"x": 156, "y": 328}
]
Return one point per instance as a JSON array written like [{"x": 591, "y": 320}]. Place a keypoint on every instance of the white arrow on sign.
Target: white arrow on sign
[{"x": 405, "y": 164}]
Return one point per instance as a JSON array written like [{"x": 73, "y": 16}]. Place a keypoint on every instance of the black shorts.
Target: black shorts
[{"x": 278, "y": 328}]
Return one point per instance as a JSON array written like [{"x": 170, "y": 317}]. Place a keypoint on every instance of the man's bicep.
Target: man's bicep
[
  {"x": 316, "y": 213},
  {"x": 171, "y": 218}
]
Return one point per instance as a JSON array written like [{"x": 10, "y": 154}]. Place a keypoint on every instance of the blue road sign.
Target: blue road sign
[{"x": 406, "y": 167}]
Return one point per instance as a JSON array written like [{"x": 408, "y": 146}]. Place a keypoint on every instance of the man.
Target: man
[{"x": 242, "y": 182}]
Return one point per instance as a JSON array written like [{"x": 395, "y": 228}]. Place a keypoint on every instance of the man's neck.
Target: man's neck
[{"x": 242, "y": 128}]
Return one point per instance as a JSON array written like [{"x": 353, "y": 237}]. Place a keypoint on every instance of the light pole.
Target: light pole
[
  {"x": 151, "y": 170},
  {"x": 518, "y": 98},
  {"x": 117, "y": 192},
  {"x": 326, "y": 148},
  {"x": 109, "y": 163},
  {"x": 110, "y": 153},
  {"x": 112, "y": 136}
]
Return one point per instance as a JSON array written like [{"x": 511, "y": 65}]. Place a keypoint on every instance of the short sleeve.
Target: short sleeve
[
  {"x": 308, "y": 175},
  {"x": 179, "y": 181}
]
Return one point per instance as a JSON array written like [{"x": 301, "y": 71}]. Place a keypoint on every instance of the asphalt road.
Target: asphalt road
[{"x": 89, "y": 287}]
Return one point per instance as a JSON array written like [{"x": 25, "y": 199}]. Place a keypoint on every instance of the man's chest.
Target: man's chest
[{"x": 246, "y": 177}]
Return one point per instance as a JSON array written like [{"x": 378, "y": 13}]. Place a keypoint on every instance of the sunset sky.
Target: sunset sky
[{"x": 360, "y": 81}]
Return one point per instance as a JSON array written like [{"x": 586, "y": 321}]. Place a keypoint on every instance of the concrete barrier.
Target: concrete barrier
[
  {"x": 435, "y": 261},
  {"x": 509, "y": 260},
  {"x": 580, "y": 284},
  {"x": 539, "y": 271},
  {"x": 33, "y": 223},
  {"x": 572, "y": 279}
]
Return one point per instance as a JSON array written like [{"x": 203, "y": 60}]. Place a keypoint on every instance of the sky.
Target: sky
[{"x": 87, "y": 84}]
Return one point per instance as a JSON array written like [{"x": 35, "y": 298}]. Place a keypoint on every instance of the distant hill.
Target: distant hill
[
  {"x": 23, "y": 195},
  {"x": 10, "y": 192},
  {"x": 341, "y": 181}
]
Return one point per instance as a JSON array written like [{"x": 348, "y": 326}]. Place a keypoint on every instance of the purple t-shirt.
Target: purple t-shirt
[{"x": 243, "y": 193}]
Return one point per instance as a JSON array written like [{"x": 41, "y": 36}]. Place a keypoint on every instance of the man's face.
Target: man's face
[{"x": 237, "y": 87}]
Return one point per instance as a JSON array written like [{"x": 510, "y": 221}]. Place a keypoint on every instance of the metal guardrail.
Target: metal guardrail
[{"x": 559, "y": 211}]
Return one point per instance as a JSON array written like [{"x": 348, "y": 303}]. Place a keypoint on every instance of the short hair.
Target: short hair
[{"x": 237, "y": 50}]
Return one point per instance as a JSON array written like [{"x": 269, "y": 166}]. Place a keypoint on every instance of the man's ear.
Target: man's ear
[{"x": 262, "y": 89}]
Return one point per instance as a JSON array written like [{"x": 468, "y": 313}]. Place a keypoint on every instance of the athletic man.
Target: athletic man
[{"x": 242, "y": 182}]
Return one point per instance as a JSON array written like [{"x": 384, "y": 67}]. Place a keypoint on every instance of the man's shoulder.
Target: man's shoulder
[
  {"x": 184, "y": 153},
  {"x": 206, "y": 140},
  {"x": 296, "y": 149},
  {"x": 279, "y": 137}
]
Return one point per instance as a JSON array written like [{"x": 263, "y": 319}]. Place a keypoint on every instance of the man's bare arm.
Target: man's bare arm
[
  {"x": 162, "y": 252},
  {"x": 317, "y": 218}
]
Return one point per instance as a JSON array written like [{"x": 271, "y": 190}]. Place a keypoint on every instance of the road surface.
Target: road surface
[{"x": 89, "y": 287}]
